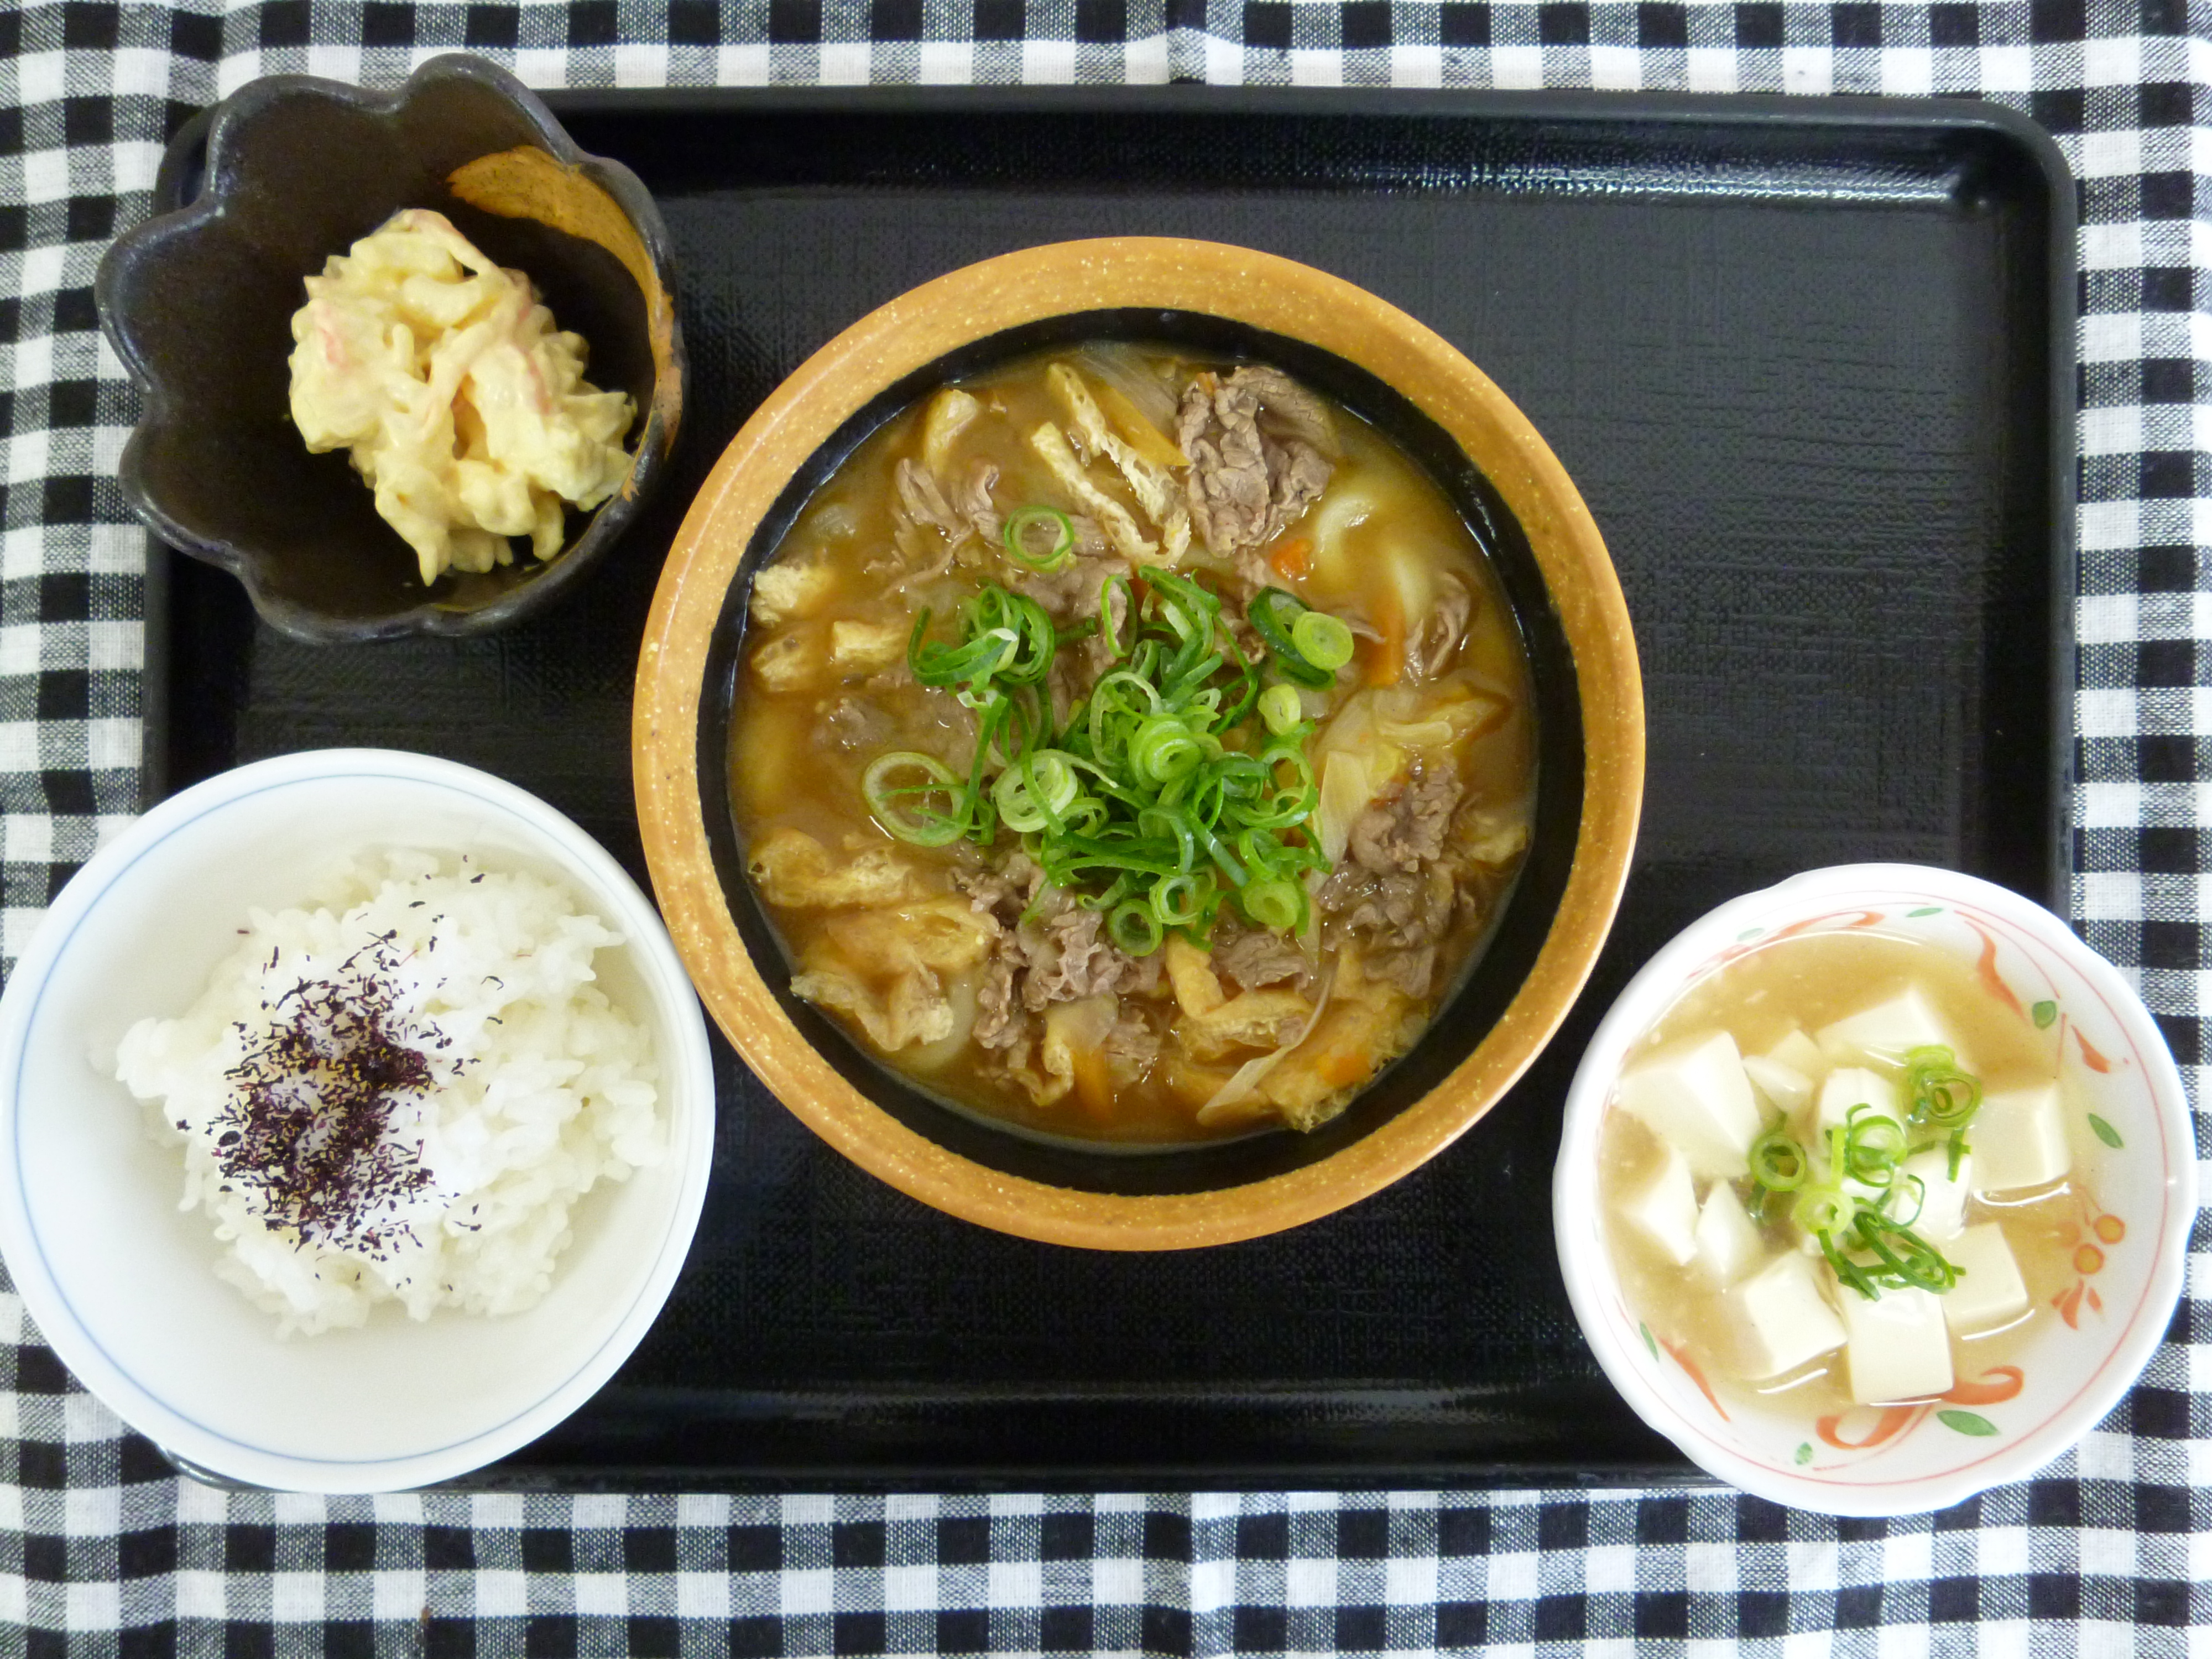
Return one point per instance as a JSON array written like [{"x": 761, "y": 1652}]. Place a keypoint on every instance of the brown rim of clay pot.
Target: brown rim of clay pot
[{"x": 918, "y": 328}]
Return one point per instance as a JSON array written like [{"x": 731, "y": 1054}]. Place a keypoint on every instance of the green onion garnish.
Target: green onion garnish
[
  {"x": 1821, "y": 1209},
  {"x": 1275, "y": 614},
  {"x": 1157, "y": 796},
  {"x": 1869, "y": 1149},
  {"x": 1182, "y": 899},
  {"x": 906, "y": 807},
  {"x": 1280, "y": 709},
  {"x": 1106, "y": 612},
  {"x": 1322, "y": 640},
  {"x": 1132, "y": 927},
  {"x": 1908, "y": 1259},
  {"x": 1024, "y": 547},
  {"x": 1937, "y": 1093},
  {"x": 1273, "y": 903},
  {"x": 1872, "y": 1146},
  {"x": 1778, "y": 1162},
  {"x": 1035, "y": 791}
]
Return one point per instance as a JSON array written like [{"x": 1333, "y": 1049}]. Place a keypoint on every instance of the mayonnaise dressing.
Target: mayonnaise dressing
[{"x": 461, "y": 405}]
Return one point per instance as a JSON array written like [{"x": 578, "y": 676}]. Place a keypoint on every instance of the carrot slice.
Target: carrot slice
[
  {"x": 1094, "y": 1084},
  {"x": 1344, "y": 1065},
  {"x": 1293, "y": 558},
  {"x": 1386, "y": 657}
]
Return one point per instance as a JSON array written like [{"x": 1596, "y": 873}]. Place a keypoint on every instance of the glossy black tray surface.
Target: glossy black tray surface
[{"x": 1810, "y": 364}]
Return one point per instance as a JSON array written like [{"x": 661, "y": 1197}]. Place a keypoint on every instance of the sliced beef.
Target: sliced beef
[
  {"x": 1000, "y": 1020},
  {"x": 1413, "y": 971},
  {"x": 1407, "y": 830},
  {"x": 854, "y": 723},
  {"x": 1070, "y": 594},
  {"x": 1067, "y": 961},
  {"x": 1066, "y": 591},
  {"x": 971, "y": 500},
  {"x": 1252, "y": 957},
  {"x": 1056, "y": 955},
  {"x": 1004, "y": 891},
  {"x": 1133, "y": 1041},
  {"x": 1290, "y": 412},
  {"x": 1259, "y": 446},
  {"x": 1395, "y": 911},
  {"x": 963, "y": 514},
  {"x": 923, "y": 503},
  {"x": 1429, "y": 653}
]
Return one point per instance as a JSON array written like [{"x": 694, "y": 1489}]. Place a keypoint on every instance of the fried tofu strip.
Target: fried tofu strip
[
  {"x": 1050, "y": 445},
  {"x": 794, "y": 869},
  {"x": 1153, "y": 485}
]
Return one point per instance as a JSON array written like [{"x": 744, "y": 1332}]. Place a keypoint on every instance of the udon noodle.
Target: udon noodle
[{"x": 1132, "y": 745}]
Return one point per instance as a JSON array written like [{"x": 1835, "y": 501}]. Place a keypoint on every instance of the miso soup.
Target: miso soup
[{"x": 1842, "y": 1172}]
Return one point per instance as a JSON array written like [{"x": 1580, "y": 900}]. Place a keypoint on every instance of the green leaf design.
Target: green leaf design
[
  {"x": 1805, "y": 1452},
  {"x": 1648, "y": 1342},
  {"x": 1967, "y": 1423},
  {"x": 1927, "y": 910},
  {"x": 1749, "y": 933},
  {"x": 2044, "y": 1013},
  {"x": 2105, "y": 1132}
]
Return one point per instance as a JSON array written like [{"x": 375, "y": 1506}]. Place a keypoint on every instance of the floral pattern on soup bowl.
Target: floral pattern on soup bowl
[{"x": 2130, "y": 1130}]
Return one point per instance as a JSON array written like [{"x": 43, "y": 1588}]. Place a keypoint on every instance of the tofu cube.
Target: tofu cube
[
  {"x": 1799, "y": 1053},
  {"x": 1785, "y": 1086},
  {"x": 1990, "y": 1292},
  {"x": 1851, "y": 1085},
  {"x": 1694, "y": 1096},
  {"x": 1845, "y": 1087},
  {"x": 2019, "y": 1139},
  {"x": 1942, "y": 1200},
  {"x": 1889, "y": 1030},
  {"x": 1727, "y": 1244},
  {"x": 1781, "y": 1319},
  {"x": 1901, "y": 1347},
  {"x": 1666, "y": 1209}
]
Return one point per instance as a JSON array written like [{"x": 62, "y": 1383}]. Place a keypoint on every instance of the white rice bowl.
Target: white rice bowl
[
  {"x": 129, "y": 1289},
  {"x": 541, "y": 1087}
]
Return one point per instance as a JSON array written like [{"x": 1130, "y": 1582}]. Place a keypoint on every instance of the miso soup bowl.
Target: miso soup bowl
[
  {"x": 1373, "y": 359},
  {"x": 2129, "y": 1127}
]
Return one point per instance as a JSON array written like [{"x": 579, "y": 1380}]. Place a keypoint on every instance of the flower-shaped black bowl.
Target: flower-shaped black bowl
[{"x": 198, "y": 304}]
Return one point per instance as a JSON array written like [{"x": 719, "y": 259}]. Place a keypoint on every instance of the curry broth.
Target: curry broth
[
  {"x": 1807, "y": 982},
  {"x": 798, "y": 755}
]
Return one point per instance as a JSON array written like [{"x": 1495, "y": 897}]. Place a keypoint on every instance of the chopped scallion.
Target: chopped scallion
[
  {"x": 1322, "y": 640},
  {"x": 1043, "y": 553},
  {"x": 1280, "y": 709}
]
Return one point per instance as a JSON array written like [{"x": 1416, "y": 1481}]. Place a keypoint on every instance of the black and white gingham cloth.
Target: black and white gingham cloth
[{"x": 103, "y": 1550}]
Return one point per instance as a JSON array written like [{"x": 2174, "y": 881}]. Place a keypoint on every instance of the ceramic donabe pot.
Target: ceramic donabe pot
[{"x": 1384, "y": 367}]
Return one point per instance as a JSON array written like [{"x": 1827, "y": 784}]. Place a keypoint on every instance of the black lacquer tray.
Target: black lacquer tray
[{"x": 1810, "y": 364}]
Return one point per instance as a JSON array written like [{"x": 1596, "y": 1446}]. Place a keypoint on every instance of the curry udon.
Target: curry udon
[{"x": 1133, "y": 745}]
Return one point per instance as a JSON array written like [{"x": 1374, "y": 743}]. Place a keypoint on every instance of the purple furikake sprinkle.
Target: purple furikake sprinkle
[{"x": 308, "y": 1129}]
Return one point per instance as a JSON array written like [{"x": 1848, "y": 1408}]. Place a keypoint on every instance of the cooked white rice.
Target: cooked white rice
[{"x": 543, "y": 1087}]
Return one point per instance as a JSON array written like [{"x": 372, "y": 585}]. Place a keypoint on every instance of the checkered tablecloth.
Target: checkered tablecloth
[{"x": 103, "y": 1549}]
